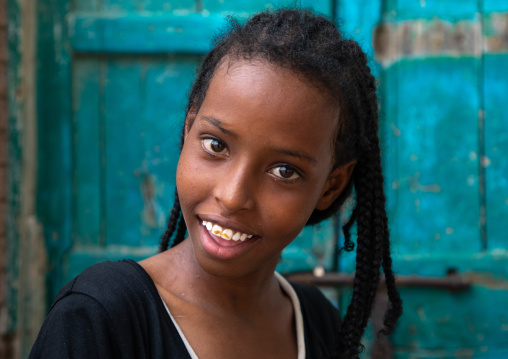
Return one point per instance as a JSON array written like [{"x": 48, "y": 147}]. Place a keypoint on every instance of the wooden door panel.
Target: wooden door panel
[
  {"x": 120, "y": 5},
  {"x": 127, "y": 145},
  {"x": 496, "y": 148},
  {"x": 432, "y": 164},
  {"x": 85, "y": 5},
  {"x": 88, "y": 168},
  {"x": 124, "y": 150},
  {"x": 169, "y": 5}
]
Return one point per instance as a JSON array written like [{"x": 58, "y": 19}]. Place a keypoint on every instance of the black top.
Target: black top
[{"x": 113, "y": 310}]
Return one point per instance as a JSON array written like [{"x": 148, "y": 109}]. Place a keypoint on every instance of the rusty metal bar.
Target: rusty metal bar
[{"x": 451, "y": 281}]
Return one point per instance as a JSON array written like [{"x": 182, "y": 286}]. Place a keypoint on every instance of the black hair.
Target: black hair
[{"x": 311, "y": 46}]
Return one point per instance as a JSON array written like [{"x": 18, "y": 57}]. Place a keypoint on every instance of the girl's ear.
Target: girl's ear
[{"x": 337, "y": 181}]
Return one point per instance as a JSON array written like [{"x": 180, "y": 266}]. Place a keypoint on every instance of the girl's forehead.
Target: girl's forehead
[
  {"x": 260, "y": 99},
  {"x": 278, "y": 83}
]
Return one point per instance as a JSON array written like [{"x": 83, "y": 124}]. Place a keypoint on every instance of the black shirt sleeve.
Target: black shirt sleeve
[
  {"x": 76, "y": 327},
  {"x": 111, "y": 310}
]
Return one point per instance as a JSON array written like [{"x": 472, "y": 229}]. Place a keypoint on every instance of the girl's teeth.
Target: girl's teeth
[
  {"x": 227, "y": 233},
  {"x": 216, "y": 229}
]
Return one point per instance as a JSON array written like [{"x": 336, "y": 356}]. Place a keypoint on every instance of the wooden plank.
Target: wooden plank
[
  {"x": 496, "y": 148},
  {"x": 436, "y": 130},
  {"x": 139, "y": 34},
  {"x": 124, "y": 151},
  {"x": 245, "y": 6},
  {"x": 54, "y": 127},
  {"x": 87, "y": 155},
  {"x": 167, "y": 82},
  {"x": 120, "y": 5},
  {"x": 494, "y": 6},
  {"x": 85, "y": 5},
  {"x": 170, "y": 5},
  {"x": 249, "y": 6},
  {"x": 451, "y": 10}
]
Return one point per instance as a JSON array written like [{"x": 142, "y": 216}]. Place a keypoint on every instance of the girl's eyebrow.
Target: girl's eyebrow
[
  {"x": 296, "y": 154},
  {"x": 219, "y": 124}
]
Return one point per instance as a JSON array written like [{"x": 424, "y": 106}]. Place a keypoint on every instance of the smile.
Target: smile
[{"x": 225, "y": 233}]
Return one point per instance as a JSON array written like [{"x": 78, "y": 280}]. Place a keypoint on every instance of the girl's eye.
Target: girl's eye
[
  {"x": 284, "y": 172},
  {"x": 214, "y": 146}
]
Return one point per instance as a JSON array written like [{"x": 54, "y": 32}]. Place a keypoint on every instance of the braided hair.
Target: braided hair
[{"x": 311, "y": 46}]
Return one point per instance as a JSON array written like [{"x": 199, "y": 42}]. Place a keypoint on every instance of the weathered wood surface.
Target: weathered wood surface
[
  {"x": 443, "y": 73},
  {"x": 112, "y": 81}
]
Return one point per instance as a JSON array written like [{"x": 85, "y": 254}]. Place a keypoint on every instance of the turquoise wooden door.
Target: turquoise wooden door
[{"x": 112, "y": 82}]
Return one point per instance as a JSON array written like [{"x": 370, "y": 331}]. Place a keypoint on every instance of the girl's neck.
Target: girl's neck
[{"x": 179, "y": 273}]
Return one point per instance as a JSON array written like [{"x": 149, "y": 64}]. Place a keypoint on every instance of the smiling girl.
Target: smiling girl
[{"x": 281, "y": 126}]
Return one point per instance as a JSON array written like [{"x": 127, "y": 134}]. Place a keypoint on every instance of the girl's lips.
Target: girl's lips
[{"x": 221, "y": 248}]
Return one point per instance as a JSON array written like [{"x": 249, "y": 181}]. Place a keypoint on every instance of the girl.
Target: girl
[{"x": 281, "y": 125}]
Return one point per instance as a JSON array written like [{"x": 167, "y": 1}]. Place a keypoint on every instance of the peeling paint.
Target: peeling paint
[
  {"x": 416, "y": 186},
  {"x": 395, "y": 130},
  {"x": 485, "y": 161},
  {"x": 153, "y": 215},
  {"x": 423, "y": 38},
  {"x": 486, "y": 280},
  {"x": 393, "y": 41}
]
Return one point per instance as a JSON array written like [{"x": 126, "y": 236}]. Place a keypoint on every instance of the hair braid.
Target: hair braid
[
  {"x": 176, "y": 213},
  {"x": 180, "y": 233}
]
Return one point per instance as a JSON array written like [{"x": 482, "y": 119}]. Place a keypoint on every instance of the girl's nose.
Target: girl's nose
[{"x": 235, "y": 190}]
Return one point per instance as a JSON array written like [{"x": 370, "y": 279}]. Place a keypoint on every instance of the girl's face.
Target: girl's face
[{"x": 256, "y": 162}]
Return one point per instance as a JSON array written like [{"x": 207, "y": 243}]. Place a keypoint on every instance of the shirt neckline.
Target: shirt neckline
[{"x": 288, "y": 289}]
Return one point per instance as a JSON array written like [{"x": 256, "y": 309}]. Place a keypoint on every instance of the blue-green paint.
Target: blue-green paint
[
  {"x": 85, "y": 5},
  {"x": 313, "y": 247},
  {"x": 55, "y": 129},
  {"x": 431, "y": 155},
  {"x": 123, "y": 150},
  {"x": 244, "y": 6},
  {"x": 496, "y": 148},
  {"x": 87, "y": 169},
  {"x": 121, "y": 5},
  {"x": 493, "y": 6},
  {"x": 356, "y": 20},
  {"x": 144, "y": 33},
  {"x": 450, "y": 10},
  {"x": 167, "y": 5}
]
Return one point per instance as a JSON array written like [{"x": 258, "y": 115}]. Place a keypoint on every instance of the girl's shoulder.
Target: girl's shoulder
[
  {"x": 110, "y": 310},
  {"x": 110, "y": 282}
]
